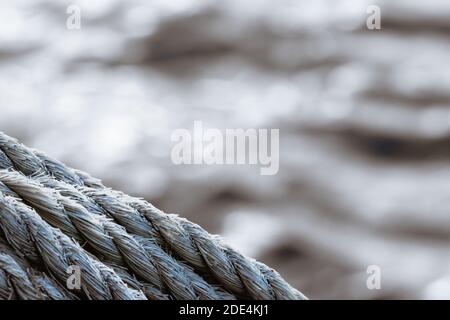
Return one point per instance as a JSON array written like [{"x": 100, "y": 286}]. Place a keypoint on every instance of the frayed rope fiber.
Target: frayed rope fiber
[{"x": 53, "y": 217}]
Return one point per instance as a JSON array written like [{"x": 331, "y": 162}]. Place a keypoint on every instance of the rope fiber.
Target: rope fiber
[{"x": 53, "y": 217}]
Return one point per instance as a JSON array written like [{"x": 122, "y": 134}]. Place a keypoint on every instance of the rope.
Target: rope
[
  {"x": 18, "y": 280},
  {"x": 150, "y": 250},
  {"x": 108, "y": 239},
  {"x": 26, "y": 232}
]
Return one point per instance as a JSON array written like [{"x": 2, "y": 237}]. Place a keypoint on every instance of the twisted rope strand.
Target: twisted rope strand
[
  {"x": 109, "y": 239},
  {"x": 23, "y": 275},
  {"x": 14, "y": 281},
  {"x": 60, "y": 212},
  {"x": 204, "y": 252},
  {"x": 25, "y": 231},
  {"x": 196, "y": 246},
  {"x": 124, "y": 215}
]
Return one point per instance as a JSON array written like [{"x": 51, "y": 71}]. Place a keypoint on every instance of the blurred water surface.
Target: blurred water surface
[{"x": 364, "y": 120}]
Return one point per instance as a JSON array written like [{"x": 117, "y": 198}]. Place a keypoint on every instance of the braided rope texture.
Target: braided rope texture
[{"x": 53, "y": 217}]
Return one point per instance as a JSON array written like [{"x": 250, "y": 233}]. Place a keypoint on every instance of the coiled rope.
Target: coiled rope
[{"x": 57, "y": 217}]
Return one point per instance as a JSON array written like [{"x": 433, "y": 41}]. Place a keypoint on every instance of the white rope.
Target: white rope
[{"x": 165, "y": 256}]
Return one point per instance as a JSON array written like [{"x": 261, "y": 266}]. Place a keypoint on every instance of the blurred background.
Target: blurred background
[{"x": 364, "y": 118}]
